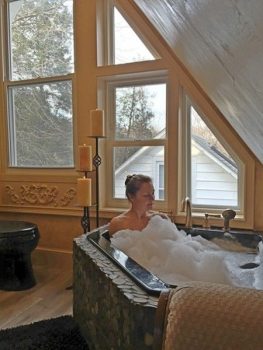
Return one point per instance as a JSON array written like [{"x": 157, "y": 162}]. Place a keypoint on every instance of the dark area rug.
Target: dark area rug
[{"x": 56, "y": 333}]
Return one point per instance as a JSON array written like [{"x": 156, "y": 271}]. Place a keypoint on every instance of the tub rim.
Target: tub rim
[{"x": 149, "y": 282}]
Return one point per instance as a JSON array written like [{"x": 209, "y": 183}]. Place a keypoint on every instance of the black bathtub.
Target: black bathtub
[
  {"x": 114, "y": 299},
  {"x": 147, "y": 280}
]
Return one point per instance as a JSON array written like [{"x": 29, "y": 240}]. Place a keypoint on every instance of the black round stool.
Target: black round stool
[{"x": 17, "y": 241}]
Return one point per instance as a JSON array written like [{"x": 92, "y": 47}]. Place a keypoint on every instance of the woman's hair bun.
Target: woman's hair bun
[{"x": 128, "y": 178}]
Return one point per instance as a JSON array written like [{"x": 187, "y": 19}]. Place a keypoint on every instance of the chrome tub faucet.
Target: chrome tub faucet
[
  {"x": 228, "y": 215},
  {"x": 187, "y": 207}
]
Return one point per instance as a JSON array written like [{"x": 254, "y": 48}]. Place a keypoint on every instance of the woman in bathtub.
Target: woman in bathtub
[
  {"x": 140, "y": 194},
  {"x": 157, "y": 244},
  {"x": 169, "y": 253}
]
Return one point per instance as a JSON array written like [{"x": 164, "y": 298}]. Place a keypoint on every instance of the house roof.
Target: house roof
[
  {"x": 210, "y": 150},
  {"x": 214, "y": 152}
]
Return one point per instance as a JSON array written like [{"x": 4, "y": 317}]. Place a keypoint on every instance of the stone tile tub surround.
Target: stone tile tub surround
[{"x": 112, "y": 311}]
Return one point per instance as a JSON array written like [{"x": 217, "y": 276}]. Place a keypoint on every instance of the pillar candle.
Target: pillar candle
[
  {"x": 97, "y": 123},
  {"x": 85, "y": 158},
  {"x": 84, "y": 192}
]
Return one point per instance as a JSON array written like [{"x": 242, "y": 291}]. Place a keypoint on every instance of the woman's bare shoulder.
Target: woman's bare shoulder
[{"x": 118, "y": 223}]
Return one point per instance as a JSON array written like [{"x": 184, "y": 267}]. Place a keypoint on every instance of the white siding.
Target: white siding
[
  {"x": 145, "y": 164},
  {"x": 211, "y": 183}
]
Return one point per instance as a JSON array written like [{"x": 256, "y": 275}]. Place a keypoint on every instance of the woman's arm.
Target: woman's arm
[
  {"x": 112, "y": 227},
  {"x": 162, "y": 215}
]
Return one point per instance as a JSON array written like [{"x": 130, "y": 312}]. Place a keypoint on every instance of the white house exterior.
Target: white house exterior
[
  {"x": 214, "y": 177},
  {"x": 148, "y": 161},
  {"x": 213, "y": 174}
]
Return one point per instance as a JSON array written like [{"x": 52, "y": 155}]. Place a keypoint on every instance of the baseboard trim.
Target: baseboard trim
[{"x": 52, "y": 257}]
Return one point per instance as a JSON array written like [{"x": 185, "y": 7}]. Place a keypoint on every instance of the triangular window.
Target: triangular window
[
  {"x": 214, "y": 173},
  {"x": 128, "y": 47}
]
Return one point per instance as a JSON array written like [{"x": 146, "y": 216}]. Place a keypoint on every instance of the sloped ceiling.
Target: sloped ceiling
[{"x": 220, "y": 42}]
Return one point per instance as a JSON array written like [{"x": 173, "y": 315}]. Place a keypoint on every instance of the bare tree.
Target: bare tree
[
  {"x": 41, "y": 47},
  {"x": 133, "y": 119}
]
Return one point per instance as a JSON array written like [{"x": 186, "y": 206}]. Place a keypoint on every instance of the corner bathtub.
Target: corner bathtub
[{"x": 115, "y": 299}]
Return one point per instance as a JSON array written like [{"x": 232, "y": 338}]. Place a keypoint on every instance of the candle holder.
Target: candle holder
[
  {"x": 97, "y": 130},
  {"x": 85, "y": 220},
  {"x": 97, "y": 163}
]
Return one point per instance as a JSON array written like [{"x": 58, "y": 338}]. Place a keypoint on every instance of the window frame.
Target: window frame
[
  {"x": 150, "y": 78},
  {"x": 186, "y": 168},
  {"x": 8, "y": 84},
  {"x": 105, "y": 33}
]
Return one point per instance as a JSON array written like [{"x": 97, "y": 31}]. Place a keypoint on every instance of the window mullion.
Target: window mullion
[
  {"x": 188, "y": 137},
  {"x": 142, "y": 143}
]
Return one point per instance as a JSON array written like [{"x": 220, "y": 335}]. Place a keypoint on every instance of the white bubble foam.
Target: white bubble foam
[{"x": 174, "y": 256}]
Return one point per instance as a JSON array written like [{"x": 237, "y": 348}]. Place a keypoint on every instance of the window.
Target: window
[
  {"x": 119, "y": 39},
  {"x": 39, "y": 83},
  {"x": 213, "y": 171},
  {"x": 128, "y": 47},
  {"x": 138, "y": 124}
]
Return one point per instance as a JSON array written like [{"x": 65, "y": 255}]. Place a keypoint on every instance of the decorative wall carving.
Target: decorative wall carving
[{"x": 36, "y": 194}]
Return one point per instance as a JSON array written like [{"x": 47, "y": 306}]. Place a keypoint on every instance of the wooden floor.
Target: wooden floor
[{"x": 51, "y": 297}]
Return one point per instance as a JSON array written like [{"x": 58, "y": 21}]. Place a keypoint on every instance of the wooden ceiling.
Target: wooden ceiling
[{"x": 221, "y": 44}]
